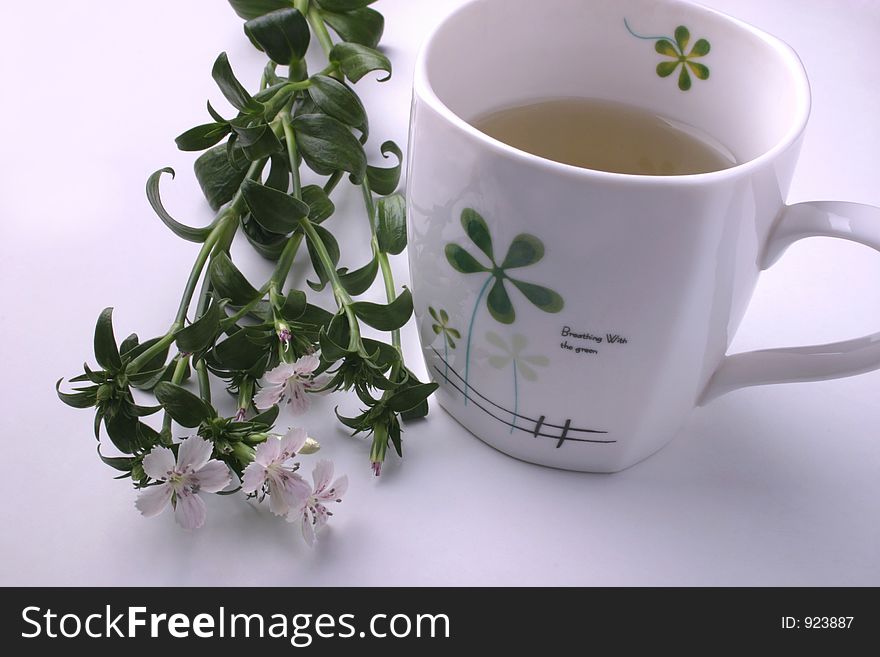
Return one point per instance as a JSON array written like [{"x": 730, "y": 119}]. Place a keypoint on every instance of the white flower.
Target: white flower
[
  {"x": 314, "y": 512},
  {"x": 291, "y": 381},
  {"x": 287, "y": 490},
  {"x": 183, "y": 480}
]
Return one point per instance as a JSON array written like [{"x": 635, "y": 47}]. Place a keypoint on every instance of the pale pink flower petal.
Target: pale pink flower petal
[
  {"x": 267, "y": 452},
  {"x": 322, "y": 474},
  {"x": 253, "y": 478},
  {"x": 268, "y": 396},
  {"x": 293, "y": 441},
  {"x": 151, "y": 501},
  {"x": 189, "y": 511},
  {"x": 297, "y": 397},
  {"x": 159, "y": 463},
  {"x": 306, "y": 365},
  {"x": 213, "y": 477},
  {"x": 194, "y": 453},
  {"x": 335, "y": 492},
  {"x": 281, "y": 373},
  {"x": 321, "y": 516},
  {"x": 308, "y": 529},
  {"x": 277, "y": 502}
]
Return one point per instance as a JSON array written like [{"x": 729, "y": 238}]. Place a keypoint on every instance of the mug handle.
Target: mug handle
[{"x": 849, "y": 221}]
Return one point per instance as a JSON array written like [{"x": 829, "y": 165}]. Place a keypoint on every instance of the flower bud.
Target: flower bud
[{"x": 244, "y": 454}]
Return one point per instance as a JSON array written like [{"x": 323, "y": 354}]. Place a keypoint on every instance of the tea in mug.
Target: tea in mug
[{"x": 606, "y": 136}]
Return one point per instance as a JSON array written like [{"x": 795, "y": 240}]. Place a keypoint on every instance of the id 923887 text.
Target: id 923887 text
[{"x": 817, "y": 622}]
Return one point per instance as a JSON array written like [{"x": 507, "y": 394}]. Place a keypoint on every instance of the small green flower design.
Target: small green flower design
[
  {"x": 441, "y": 327},
  {"x": 512, "y": 355},
  {"x": 524, "y": 251},
  {"x": 450, "y": 335},
  {"x": 677, "y": 51}
]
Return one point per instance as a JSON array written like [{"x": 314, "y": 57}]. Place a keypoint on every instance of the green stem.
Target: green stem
[
  {"x": 343, "y": 299},
  {"x": 320, "y": 30},
  {"x": 285, "y": 261},
  {"x": 223, "y": 231},
  {"x": 176, "y": 379},
  {"x": 384, "y": 264},
  {"x": 244, "y": 310},
  {"x": 290, "y": 140}
]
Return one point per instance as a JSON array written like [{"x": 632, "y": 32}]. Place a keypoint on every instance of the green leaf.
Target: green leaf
[
  {"x": 315, "y": 316},
  {"x": 411, "y": 397},
  {"x": 356, "y": 60},
  {"x": 320, "y": 205},
  {"x": 201, "y": 333},
  {"x": 416, "y": 412},
  {"x": 463, "y": 261},
  {"x": 202, "y": 136},
  {"x": 391, "y": 224},
  {"x": 123, "y": 464},
  {"x": 279, "y": 174},
  {"x": 385, "y": 181},
  {"x": 344, "y": 5},
  {"x": 267, "y": 417},
  {"x": 359, "y": 281},
  {"x": 477, "y": 229},
  {"x": 331, "y": 351},
  {"x": 83, "y": 399},
  {"x": 122, "y": 431},
  {"x": 218, "y": 177},
  {"x": 128, "y": 344},
  {"x": 232, "y": 89},
  {"x": 382, "y": 354},
  {"x": 665, "y": 47},
  {"x": 185, "y": 408},
  {"x": 156, "y": 362},
  {"x": 500, "y": 306},
  {"x": 525, "y": 250},
  {"x": 332, "y": 247},
  {"x": 682, "y": 37},
  {"x": 249, "y": 9},
  {"x": 275, "y": 211},
  {"x": 282, "y": 34},
  {"x": 327, "y": 145},
  {"x": 239, "y": 352},
  {"x": 229, "y": 282},
  {"x": 701, "y": 48},
  {"x": 665, "y": 69},
  {"x": 294, "y": 305},
  {"x": 181, "y": 230},
  {"x": 257, "y": 141},
  {"x": 338, "y": 100},
  {"x": 542, "y": 297},
  {"x": 386, "y": 317},
  {"x": 269, "y": 245},
  {"x": 106, "y": 352},
  {"x": 364, "y": 26}
]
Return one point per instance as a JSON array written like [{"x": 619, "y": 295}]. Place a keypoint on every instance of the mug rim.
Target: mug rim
[{"x": 423, "y": 89}]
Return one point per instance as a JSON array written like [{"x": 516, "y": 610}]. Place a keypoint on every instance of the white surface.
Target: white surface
[{"x": 773, "y": 485}]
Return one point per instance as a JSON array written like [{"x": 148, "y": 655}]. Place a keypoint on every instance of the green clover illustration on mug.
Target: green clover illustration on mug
[{"x": 524, "y": 251}]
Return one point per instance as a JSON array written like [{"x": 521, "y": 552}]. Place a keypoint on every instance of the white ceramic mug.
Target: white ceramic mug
[{"x": 573, "y": 317}]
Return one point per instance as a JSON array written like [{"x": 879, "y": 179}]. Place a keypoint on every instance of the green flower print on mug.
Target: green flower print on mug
[{"x": 685, "y": 61}]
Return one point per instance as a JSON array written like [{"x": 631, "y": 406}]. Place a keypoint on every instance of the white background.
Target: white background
[{"x": 776, "y": 485}]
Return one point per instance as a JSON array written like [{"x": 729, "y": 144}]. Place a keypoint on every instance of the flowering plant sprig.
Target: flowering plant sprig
[{"x": 269, "y": 344}]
